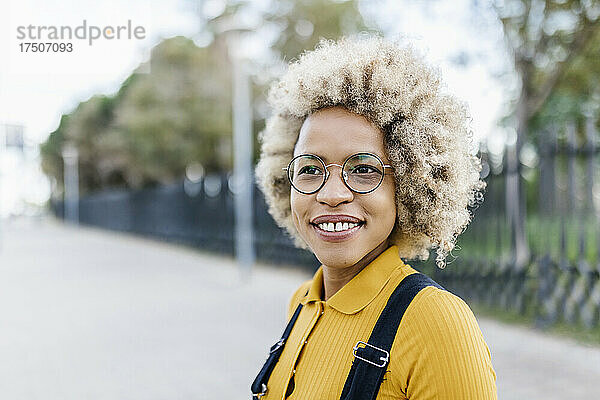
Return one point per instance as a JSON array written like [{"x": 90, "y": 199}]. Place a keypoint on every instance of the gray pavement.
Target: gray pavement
[{"x": 90, "y": 314}]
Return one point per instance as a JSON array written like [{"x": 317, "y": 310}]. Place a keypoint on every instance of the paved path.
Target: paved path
[{"x": 89, "y": 314}]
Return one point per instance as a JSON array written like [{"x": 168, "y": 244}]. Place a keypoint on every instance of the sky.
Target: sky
[{"x": 37, "y": 88}]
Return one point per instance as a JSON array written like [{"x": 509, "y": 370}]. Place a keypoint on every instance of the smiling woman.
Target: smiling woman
[
  {"x": 347, "y": 251},
  {"x": 365, "y": 162}
]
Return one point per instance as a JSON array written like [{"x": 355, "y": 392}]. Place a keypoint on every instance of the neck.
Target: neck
[{"x": 335, "y": 278}]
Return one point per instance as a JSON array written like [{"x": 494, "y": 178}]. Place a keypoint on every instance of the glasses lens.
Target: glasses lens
[
  {"x": 306, "y": 173},
  {"x": 363, "y": 172}
]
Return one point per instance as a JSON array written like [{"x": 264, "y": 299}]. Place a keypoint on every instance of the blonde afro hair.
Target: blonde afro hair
[{"x": 426, "y": 136}]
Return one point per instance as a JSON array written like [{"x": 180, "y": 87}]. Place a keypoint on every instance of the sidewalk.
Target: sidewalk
[{"x": 90, "y": 314}]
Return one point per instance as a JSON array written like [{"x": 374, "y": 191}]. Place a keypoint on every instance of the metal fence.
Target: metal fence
[
  {"x": 561, "y": 281},
  {"x": 199, "y": 214}
]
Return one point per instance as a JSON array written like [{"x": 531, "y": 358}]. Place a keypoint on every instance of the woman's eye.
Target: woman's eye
[
  {"x": 364, "y": 169},
  {"x": 311, "y": 170}
]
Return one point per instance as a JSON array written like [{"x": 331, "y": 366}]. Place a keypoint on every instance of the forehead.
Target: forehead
[{"x": 335, "y": 133}]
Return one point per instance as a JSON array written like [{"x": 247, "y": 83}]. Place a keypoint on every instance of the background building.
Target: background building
[{"x": 24, "y": 189}]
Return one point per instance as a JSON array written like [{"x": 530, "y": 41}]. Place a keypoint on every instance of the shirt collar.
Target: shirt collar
[{"x": 361, "y": 289}]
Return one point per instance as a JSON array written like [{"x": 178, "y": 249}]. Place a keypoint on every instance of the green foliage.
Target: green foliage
[
  {"x": 555, "y": 45},
  {"x": 490, "y": 238},
  {"x": 50, "y": 151},
  {"x": 301, "y": 25},
  {"x": 181, "y": 111},
  {"x": 304, "y": 22},
  {"x": 175, "y": 115},
  {"x": 155, "y": 125},
  {"x": 544, "y": 233}
]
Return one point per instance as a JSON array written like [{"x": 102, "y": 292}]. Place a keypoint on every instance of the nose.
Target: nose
[{"x": 334, "y": 191}]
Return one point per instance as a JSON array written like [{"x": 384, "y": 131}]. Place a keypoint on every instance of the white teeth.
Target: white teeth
[{"x": 337, "y": 227}]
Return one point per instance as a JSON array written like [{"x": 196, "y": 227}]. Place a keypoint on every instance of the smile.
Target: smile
[
  {"x": 337, "y": 232},
  {"x": 336, "y": 227}
]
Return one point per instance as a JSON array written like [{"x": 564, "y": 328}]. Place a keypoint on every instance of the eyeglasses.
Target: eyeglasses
[{"x": 362, "y": 172}]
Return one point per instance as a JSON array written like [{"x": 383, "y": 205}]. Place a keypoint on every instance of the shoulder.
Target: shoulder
[
  {"x": 297, "y": 297},
  {"x": 442, "y": 308},
  {"x": 442, "y": 343},
  {"x": 443, "y": 319},
  {"x": 439, "y": 308}
]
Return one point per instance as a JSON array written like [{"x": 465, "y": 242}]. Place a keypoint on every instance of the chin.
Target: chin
[{"x": 336, "y": 256}]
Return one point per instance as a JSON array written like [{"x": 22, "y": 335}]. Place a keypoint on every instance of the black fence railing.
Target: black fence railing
[
  {"x": 198, "y": 214},
  {"x": 559, "y": 282}
]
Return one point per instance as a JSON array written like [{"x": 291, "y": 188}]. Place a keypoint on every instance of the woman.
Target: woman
[{"x": 366, "y": 161}]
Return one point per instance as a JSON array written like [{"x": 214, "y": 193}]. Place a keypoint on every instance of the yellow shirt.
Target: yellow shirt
[{"x": 438, "y": 352}]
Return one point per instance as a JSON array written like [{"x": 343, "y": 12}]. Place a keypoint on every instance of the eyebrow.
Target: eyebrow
[{"x": 327, "y": 162}]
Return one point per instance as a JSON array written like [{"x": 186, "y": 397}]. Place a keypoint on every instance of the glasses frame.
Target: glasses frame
[{"x": 342, "y": 175}]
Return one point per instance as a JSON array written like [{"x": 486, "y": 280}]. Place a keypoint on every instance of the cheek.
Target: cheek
[
  {"x": 298, "y": 205},
  {"x": 387, "y": 204}
]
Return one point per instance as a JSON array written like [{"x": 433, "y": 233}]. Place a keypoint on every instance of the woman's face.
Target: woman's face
[{"x": 334, "y": 134}]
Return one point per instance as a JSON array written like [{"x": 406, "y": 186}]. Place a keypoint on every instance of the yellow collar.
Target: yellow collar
[{"x": 361, "y": 289}]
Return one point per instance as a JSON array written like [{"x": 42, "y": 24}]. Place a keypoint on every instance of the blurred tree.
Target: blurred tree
[
  {"x": 298, "y": 26},
  {"x": 86, "y": 126},
  {"x": 575, "y": 97},
  {"x": 301, "y": 24},
  {"x": 50, "y": 151},
  {"x": 304, "y": 22},
  {"x": 83, "y": 127},
  {"x": 156, "y": 125},
  {"x": 180, "y": 112},
  {"x": 550, "y": 42},
  {"x": 555, "y": 46}
]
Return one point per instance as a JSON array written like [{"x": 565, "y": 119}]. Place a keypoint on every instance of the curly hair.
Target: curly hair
[{"x": 426, "y": 136}]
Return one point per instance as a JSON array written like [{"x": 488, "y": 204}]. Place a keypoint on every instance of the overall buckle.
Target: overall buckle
[
  {"x": 261, "y": 394},
  {"x": 385, "y": 357},
  {"x": 276, "y": 346}
]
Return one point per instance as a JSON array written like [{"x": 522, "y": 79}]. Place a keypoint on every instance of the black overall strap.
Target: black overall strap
[
  {"x": 259, "y": 386},
  {"x": 371, "y": 359}
]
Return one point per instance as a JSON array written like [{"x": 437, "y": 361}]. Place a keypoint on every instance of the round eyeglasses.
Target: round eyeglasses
[{"x": 362, "y": 172}]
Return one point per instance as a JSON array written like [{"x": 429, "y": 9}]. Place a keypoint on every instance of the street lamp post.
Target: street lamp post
[
  {"x": 71, "y": 182},
  {"x": 242, "y": 171}
]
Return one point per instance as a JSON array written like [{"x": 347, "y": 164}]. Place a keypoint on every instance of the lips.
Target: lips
[
  {"x": 338, "y": 236},
  {"x": 335, "y": 218}
]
